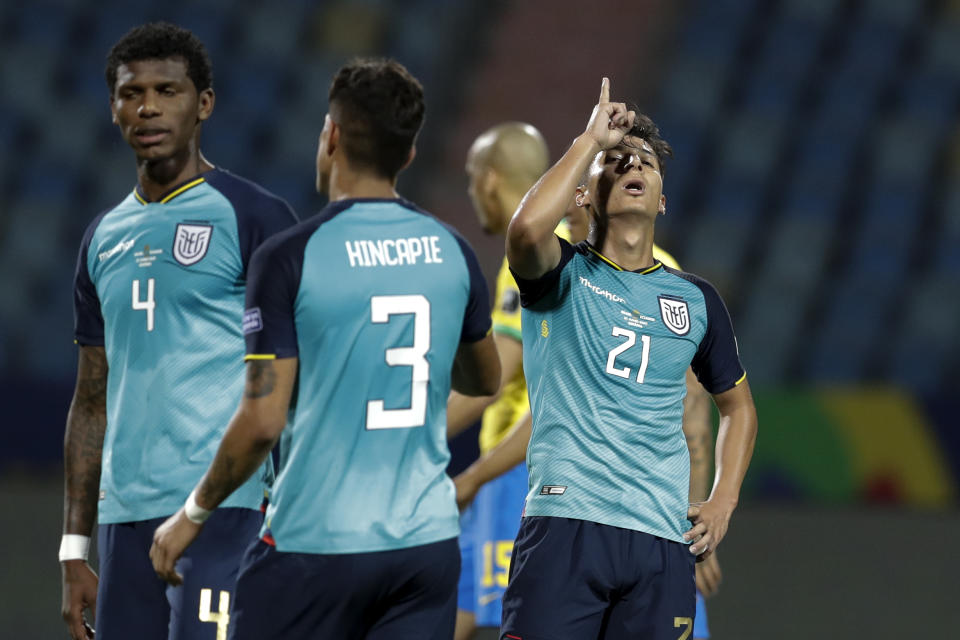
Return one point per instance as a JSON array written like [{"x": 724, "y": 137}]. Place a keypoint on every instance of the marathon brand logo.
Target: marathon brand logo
[
  {"x": 552, "y": 490},
  {"x": 121, "y": 246},
  {"x": 612, "y": 297}
]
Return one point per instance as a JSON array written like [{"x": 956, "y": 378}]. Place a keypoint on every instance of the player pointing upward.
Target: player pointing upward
[{"x": 608, "y": 334}]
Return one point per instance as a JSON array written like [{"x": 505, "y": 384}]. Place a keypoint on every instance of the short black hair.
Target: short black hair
[
  {"x": 644, "y": 127},
  {"x": 379, "y": 107},
  {"x": 160, "y": 41}
]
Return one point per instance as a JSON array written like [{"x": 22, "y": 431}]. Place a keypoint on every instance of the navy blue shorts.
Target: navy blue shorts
[
  {"x": 132, "y": 602},
  {"x": 385, "y": 595},
  {"x": 577, "y": 579}
]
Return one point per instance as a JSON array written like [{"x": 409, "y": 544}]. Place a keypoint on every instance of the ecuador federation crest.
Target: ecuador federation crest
[
  {"x": 190, "y": 242},
  {"x": 675, "y": 314}
]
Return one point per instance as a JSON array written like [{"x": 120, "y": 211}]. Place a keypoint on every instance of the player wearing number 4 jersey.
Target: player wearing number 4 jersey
[
  {"x": 376, "y": 309},
  {"x": 605, "y": 549},
  {"x": 159, "y": 297}
]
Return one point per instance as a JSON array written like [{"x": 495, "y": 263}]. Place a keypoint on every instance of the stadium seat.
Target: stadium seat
[
  {"x": 926, "y": 335},
  {"x": 694, "y": 88},
  {"x": 851, "y": 321},
  {"x": 797, "y": 251},
  {"x": 770, "y": 323},
  {"x": 750, "y": 146},
  {"x": 904, "y": 149}
]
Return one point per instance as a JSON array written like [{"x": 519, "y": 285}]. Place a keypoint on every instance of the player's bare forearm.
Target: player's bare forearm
[
  {"x": 699, "y": 434},
  {"x": 738, "y": 432},
  {"x": 253, "y": 430},
  {"x": 510, "y": 452},
  {"x": 462, "y": 410},
  {"x": 83, "y": 442},
  {"x": 476, "y": 368},
  {"x": 735, "y": 440},
  {"x": 532, "y": 248}
]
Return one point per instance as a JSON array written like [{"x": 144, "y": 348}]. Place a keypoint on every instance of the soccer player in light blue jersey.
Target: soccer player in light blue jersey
[
  {"x": 159, "y": 301},
  {"x": 606, "y": 548},
  {"x": 375, "y": 309}
]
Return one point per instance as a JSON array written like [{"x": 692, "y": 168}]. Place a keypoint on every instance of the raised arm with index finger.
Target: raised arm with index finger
[{"x": 532, "y": 248}]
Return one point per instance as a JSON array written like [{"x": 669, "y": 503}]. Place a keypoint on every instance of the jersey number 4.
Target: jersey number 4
[
  {"x": 631, "y": 340},
  {"x": 147, "y": 305},
  {"x": 381, "y": 308}
]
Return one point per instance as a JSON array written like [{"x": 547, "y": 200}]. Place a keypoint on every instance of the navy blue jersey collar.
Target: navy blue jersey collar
[{"x": 645, "y": 270}]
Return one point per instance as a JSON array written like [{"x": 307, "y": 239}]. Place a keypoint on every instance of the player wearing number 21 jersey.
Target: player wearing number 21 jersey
[
  {"x": 608, "y": 540},
  {"x": 376, "y": 310}
]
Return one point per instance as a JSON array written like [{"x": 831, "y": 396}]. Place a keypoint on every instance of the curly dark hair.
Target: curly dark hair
[
  {"x": 159, "y": 41},
  {"x": 379, "y": 107},
  {"x": 644, "y": 127}
]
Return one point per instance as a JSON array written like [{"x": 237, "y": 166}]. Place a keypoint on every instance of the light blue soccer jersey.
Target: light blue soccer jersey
[
  {"x": 374, "y": 297},
  {"x": 605, "y": 352},
  {"x": 160, "y": 285}
]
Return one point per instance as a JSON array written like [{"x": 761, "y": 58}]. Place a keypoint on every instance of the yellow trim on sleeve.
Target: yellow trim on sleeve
[
  {"x": 260, "y": 356},
  {"x": 189, "y": 185},
  {"x": 742, "y": 378}
]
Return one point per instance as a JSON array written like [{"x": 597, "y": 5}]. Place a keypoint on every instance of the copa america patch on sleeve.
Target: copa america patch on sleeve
[{"x": 252, "y": 321}]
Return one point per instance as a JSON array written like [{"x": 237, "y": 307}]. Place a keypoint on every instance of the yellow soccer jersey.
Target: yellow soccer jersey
[
  {"x": 662, "y": 256},
  {"x": 513, "y": 402}
]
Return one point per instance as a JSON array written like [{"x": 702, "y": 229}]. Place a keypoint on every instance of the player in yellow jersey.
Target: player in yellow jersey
[{"x": 502, "y": 164}]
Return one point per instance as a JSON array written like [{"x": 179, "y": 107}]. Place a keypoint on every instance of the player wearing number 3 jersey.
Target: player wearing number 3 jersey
[
  {"x": 159, "y": 296},
  {"x": 606, "y": 548},
  {"x": 376, "y": 310}
]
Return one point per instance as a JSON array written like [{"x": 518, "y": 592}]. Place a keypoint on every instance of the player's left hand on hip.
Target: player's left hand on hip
[
  {"x": 710, "y": 521},
  {"x": 169, "y": 542}
]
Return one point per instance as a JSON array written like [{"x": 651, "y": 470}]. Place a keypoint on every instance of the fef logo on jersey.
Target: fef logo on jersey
[
  {"x": 675, "y": 314},
  {"x": 190, "y": 243}
]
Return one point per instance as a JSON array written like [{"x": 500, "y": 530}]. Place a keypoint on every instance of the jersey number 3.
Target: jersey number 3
[{"x": 381, "y": 308}]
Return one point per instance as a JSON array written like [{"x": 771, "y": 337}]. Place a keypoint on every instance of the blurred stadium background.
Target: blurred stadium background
[{"x": 816, "y": 182}]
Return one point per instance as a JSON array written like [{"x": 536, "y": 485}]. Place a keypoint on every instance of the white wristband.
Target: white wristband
[
  {"x": 195, "y": 513},
  {"x": 74, "y": 547}
]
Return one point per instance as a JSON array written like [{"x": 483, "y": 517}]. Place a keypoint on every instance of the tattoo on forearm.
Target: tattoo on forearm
[
  {"x": 83, "y": 442},
  {"x": 219, "y": 481},
  {"x": 261, "y": 378}
]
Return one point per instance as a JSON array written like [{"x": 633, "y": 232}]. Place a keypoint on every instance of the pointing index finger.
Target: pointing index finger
[{"x": 605, "y": 90}]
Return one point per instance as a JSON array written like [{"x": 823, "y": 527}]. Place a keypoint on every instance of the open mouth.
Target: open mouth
[{"x": 635, "y": 187}]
